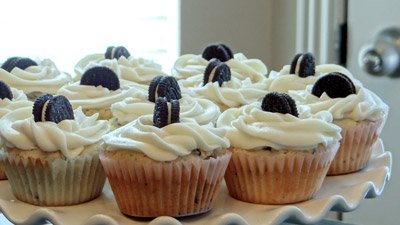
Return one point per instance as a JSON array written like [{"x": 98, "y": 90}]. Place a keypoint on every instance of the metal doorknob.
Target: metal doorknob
[{"x": 381, "y": 57}]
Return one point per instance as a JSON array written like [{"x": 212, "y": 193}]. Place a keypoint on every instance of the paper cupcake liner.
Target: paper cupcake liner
[
  {"x": 2, "y": 169},
  {"x": 54, "y": 182},
  {"x": 147, "y": 188},
  {"x": 2, "y": 172},
  {"x": 355, "y": 147},
  {"x": 277, "y": 177}
]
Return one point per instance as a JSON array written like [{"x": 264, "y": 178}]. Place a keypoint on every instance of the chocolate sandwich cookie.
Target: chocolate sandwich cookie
[
  {"x": 217, "y": 51},
  {"x": 303, "y": 65},
  {"x": 217, "y": 71},
  {"x": 280, "y": 103},
  {"x": 335, "y": 85},
  {"x": 52, "y": 108},
  {"x": 5, "y": 91},
  {"x": 20, "y": 62},
  {"x": 164, "y": 86},
  {"x": 116, "y": 52},
  {"x": 165, "y": 112},
  {"x": 101, "y": 76},
  {"x": 8, "y": 62}
]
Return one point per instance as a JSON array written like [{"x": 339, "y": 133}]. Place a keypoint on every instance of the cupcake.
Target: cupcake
[
  {"x": 301, "y": 73},
  {"x": 34, "y": 78},
  {"x": 358, "y": 111},
  {"x": 218, "y": 85},
  {"x": 277, "y": 157},
  {"x": 52, "y": 157},
  {"x": 128, "y": 68},
  {"x": 97, "y": 90},
  {"x": 164, "y": 165},
  {"x": 203, "y": 111},
  {"x": 10, "y": 99},
  {"x": 190, "y": 65}
]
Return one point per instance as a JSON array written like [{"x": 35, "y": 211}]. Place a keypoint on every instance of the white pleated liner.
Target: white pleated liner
[
  {"x": 2, "y": 172},
  {"x": 355, "y": 147},
  {"x": 146, "y": 188},
  {"x": 277, "y": 177},
  {"x": 58, "y": 183},
  {"x": 2, "y": 169}
]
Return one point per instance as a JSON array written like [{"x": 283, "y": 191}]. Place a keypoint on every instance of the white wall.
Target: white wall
[
  {"x": 385, "y": 209},
  {"x": 263, "y": 29}
]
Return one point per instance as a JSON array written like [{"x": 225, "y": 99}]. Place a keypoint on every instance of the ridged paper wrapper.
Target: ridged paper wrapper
[
  {"x": 355, "y": 147},
  {"x": 147, "y": 188},
  {"x": 277, "y": 176},
  {"x": 54, "y": 181}
]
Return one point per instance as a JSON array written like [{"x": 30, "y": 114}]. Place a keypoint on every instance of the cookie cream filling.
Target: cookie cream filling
[
  {"x": 113, "y": 52},
  {"x": 251, "y": 128},
  {"x": 43, "y": 115},
  {"x": 298, "y": 63},
  {"x": 169, "y": 105},
  {"x": 166, "y": 143},
  {"x": 212, "y": 74}
]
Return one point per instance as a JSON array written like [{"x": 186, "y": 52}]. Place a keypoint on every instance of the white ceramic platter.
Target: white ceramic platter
[{"x": 339, "y": 193}]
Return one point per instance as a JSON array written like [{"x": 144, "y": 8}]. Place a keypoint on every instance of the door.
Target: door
[{"x": 365, "y": 19}]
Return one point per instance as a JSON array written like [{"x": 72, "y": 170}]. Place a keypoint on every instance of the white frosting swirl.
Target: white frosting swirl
[
  {"x": 137, "y": 70},
  {"x": 233, "y": 93},
  {"x": 202, "y": 111},
  {"x": 19, "y": 101},
  {"x": 43, "y": 78},
  {"x": 169, "y": 142},
  {"x": 251, "y": 128},
  {"x": 190, "y": 65},
  {"x": 284, "y": 81},
  {"x": 91, "y": 97},
  {"x": 364, "y": 105},
  {"x": 70, "y": 137}
]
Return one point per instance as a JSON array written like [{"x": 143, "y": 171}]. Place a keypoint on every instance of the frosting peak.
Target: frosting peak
[
  {"x": 90, "y": 97},
  {"x": 251, "y": 128},
  {"x": 130, "y": 70},
  {"x": 202, "y": 110},
  {"x": 44, "y": 78},
  {"x": 364, "y": 105},
  {"x": 169, "y": 142},
  {"x": 241, "y": 67},
  {"x": 69, "y": 137}
]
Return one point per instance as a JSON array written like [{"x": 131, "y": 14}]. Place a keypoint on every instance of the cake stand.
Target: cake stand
[{"x": 338, "y": 193}]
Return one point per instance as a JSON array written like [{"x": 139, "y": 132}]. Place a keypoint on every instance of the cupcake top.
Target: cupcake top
[
  {"x": 202, "y": 111},
  {"x": 165, "y": 136},
  {"x": 11, "y": 99},
  {"x": 33, "y": 76},
  {"x": 53, "y": 127},
  {"x": 300, "y": 73},
  {"x": 274, "y": 124},
  {"x": 337, "y": 94},
  {"x": 190, "y": 65},
  {"x": 218, "y": 85},
  {"x": 99, "y": 88},
  {"x": 128, "y": 68}
]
